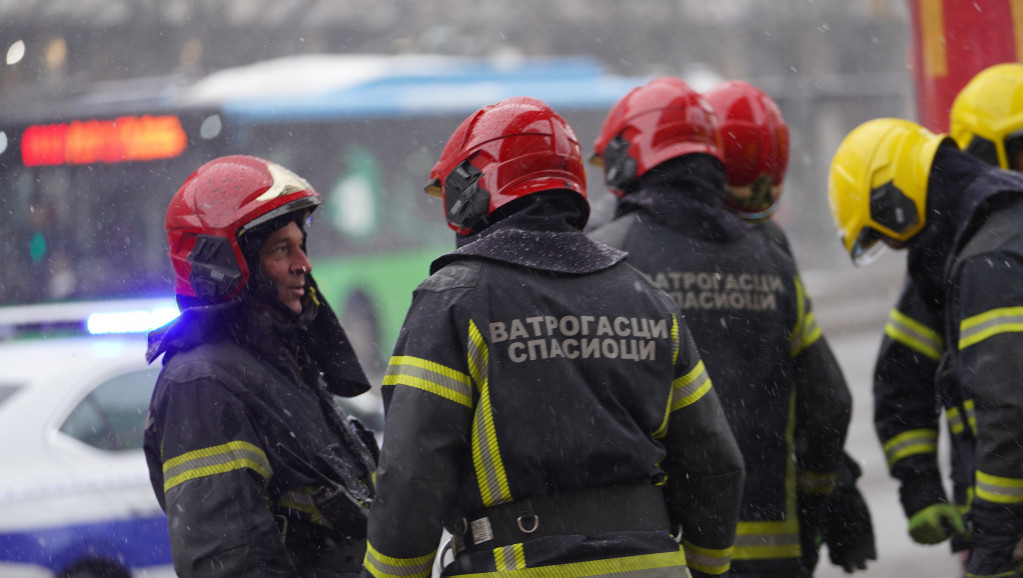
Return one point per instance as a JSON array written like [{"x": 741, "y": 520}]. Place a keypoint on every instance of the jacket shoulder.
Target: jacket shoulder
[
  {"x": 614, "y": 233},
  {"x": 215, "y": 360},
  {"x": 457, "y": 274}
]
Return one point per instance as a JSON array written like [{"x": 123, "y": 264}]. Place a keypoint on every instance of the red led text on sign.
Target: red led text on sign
[{"x": 127, "y": 138}]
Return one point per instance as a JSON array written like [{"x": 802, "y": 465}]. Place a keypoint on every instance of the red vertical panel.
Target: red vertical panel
[{"x": 950, "y": 42}]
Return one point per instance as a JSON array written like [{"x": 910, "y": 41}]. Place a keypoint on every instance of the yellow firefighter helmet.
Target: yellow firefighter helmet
[
  {"x": 987, "y": 116},
  {"x": 877, "y": 186}
]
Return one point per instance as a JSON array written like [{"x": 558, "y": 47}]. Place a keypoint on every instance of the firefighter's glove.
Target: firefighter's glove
[
  {"x": 935, "y": 524},
  {"x": 848, "y": 530}
]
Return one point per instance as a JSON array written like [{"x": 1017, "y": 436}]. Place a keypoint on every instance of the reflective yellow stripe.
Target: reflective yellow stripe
[
  {"x": 1009, "y": 574},
  {"x": 815, "y": 482},
  {"x": 998, "y": 489},
  {"x": 806, "y": 331},
  {"x": 215, "y": 460},
  {"x": 914, "y": 335},
  {"x": 932, "y": 41},
  {"x": 910, "y": 443},
  {"x": 662, "y": 565},
  {"x": 766, "y": 540},
  {"x": 385, "y": 566},
  {"x": 955, "y": 421},
  {"x": 486, "y": 454},
  {"x": 676, "y": 345},
  {"x": 707, "y": 560},
  {"x": 690, "y": 387},
  {"x": 431, "y": 377},
  {"x": 302, "y": 501},
  {"x": 509, "y": 558},
  {"x": 979, "y": 327},
  {"x": 775, "y": 539}
]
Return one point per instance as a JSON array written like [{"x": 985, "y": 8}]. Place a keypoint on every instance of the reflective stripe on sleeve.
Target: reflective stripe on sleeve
[
  {"x": 383, "y": 566},
  {"x": 998, "y": 489},
  {"x": 431, "y": 377},
  {"x": 806, "y": 331},
  {"x": 689, "y": 388},
  {"x": 215, "y": 460},
  {"x": 955, "y": 418},
  {"x": 708, "y": 560},
  {"x": 486, "y": 453},
  {"x": 913, "y": 442},
  {"x": 914, "y": 335},
  {"x": 979, "y": 327}
]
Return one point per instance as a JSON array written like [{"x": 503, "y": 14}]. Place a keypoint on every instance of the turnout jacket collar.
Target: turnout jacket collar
[
  {"x": 316, "y": 332},
  {"x": 961, "y": 192},
  {"x": 679, "y": 196},
  {"x": 538, "y": 236}
]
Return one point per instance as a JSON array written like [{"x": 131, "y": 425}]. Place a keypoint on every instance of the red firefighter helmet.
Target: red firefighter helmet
[
  {"x": 653, "y": 123},
  {"x": 219, "y": 203},
  {"x": 756, "y": 147},
  {"x": 502, "y": 152}
]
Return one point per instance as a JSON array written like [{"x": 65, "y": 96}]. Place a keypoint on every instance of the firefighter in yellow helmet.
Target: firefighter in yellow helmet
[
  {"x": 987, "y": 116},
  {"x": 895, "y": 184},
  {"x": 986, "y": 120}
]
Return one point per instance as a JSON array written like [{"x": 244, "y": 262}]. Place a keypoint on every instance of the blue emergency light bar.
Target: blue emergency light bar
[{"x": 140, "y": 321}]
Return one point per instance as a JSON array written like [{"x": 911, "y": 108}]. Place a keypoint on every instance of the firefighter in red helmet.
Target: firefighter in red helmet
[
  {"x": 755, "y": 140},
  {"x": 545, "y": 403},
  {"x": 247, "y": 449},
  {"x": 662, "y": 154}
]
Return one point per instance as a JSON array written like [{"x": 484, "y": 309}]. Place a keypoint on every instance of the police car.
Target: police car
[{"x": 75, "y": 496}]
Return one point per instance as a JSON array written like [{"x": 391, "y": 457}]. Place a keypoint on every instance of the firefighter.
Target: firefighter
[
  {"x": 985, "y": 117},
  {"x": 755, "y": 141},
  {"x": 259, "y": 470},
  {"x": 744, "y": 302},
  {"x": 895, "y": 184},
  {"x": 544, "y": 403}
]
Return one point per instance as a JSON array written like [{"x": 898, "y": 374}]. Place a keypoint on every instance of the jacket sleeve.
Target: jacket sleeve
[
  {"x": 704, "y": 465},
  {"x": 210, "y": 472},
  {"x": 429, "y": 400},
  {"x": 990, "y": 339},
  {"x": 906, "y": 410},
  {"x": 823, "y": 403}
]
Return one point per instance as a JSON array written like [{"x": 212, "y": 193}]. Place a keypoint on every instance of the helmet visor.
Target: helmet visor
[
  {"x": 983, "y": 149},
  {"x": 867, "y": 247},
  {"x": 1014, "y": 150}
]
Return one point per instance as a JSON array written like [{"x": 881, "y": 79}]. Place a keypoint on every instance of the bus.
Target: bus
[{"x": 86, "y": 185}]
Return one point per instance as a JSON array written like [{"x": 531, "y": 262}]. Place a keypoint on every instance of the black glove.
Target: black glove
[{"x": 848, "y": 530}]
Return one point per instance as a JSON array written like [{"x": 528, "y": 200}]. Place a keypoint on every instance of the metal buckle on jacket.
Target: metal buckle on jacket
[
  {"x": 536, "y": 523},
  {"x": 525, "y": 513}
]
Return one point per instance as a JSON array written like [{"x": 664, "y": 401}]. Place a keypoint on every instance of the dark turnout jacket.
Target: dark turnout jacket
[
  {"x": 753, "y": 324},
  {"x": 548, "y": 405},
  {"x": 240, "y": 431},
  {"x": 953, "y": 341}
]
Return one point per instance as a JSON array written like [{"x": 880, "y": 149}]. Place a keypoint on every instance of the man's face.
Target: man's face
[{"x": 287, "y": 265}]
